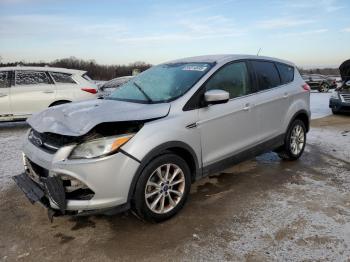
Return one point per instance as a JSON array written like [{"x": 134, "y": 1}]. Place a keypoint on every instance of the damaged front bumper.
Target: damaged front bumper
[
  {"x": 76, "y": 187},
  {"x": 53, "y": 190}
]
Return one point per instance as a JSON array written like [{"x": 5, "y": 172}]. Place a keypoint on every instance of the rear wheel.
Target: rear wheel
[
  {"x": 324, "y": 87},
  {"x": 162, "y": 188},
  {"x": 294, "y": 142}
]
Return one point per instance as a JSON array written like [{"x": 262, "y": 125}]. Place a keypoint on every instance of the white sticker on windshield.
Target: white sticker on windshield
[{"x": 195, "y": 68}]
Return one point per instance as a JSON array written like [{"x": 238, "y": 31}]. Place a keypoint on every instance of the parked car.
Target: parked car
[
  {"x": 108, "y": 87},
  {"x": 143, "y": 146},
  {"x": 320, "y": 82},
  {"x": 27, "y": 90},
  {"x": 340, "y": 98}
]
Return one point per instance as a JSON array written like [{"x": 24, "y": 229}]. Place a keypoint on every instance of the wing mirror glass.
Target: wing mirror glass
[{"x": 216, "y": 96}]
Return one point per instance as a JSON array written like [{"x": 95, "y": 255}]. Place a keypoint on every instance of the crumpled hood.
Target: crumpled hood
[{"x": 76, "y": 119}]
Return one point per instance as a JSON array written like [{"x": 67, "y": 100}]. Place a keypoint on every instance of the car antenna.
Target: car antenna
[{"x": 258, "y": 51}]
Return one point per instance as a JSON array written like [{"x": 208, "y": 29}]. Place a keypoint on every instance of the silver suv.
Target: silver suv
[{"x": 143, "y": 146}]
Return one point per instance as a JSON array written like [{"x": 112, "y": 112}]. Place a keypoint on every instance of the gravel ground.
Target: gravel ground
[{"x": 264, "y": 209}]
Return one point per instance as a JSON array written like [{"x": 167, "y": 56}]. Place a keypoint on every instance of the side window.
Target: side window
[
  {"x": 62, "y": 78},
  {"x": 4, "y": 79},
  {"x": 267, "y": 75},
  {"x": 286, "y": 73},
  {"x": 233, "y": 78},
  {"x": 31, "y": 78}
]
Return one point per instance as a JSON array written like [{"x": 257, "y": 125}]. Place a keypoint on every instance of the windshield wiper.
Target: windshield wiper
[{"x": 143, "y": 92}]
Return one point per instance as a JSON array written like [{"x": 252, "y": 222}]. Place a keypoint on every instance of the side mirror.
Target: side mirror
[
  {"x": 216, "y": 96},
  {"x": 347, "y": 83}
]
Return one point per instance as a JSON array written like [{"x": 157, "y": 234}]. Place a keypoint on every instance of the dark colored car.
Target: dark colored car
[
  {"x": 320, "y": 82},
  {"x": 340, "y": 99}
]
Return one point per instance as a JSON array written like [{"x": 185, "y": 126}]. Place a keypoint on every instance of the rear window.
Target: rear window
[
  {"x": 286, "y": 73},
  {"x": 62, "y": 78},
  {"x": 31, "y": 78},
  {"x": 4, "y": 79},
  {"x": 267, "y": 74},
  {"x": 86, "y": 77}
]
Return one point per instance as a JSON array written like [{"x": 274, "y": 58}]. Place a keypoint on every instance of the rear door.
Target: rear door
[
  {"x": 5, "y": 109},
  {"x": 229, "y": 128},
  {"x": 273, "y": 98},
  {"x": 33, "y": 91}
]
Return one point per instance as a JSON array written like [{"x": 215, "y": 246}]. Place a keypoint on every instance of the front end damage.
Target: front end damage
[
  {"x": 74, "y": 158},
  {"x": 52, "y": 179}
]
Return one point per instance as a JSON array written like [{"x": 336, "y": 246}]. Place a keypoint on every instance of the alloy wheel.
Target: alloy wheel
[
  {"x": 165, "y": 188},
  {"x": 297, "y": 139}
]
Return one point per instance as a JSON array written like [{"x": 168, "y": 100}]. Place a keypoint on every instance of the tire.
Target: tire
[
  {"x": 335, "y": 112},
  {"x": 156, "y": 199},
  {"x": 294, "y": 143},
  {"x": 323, "y": 88}
]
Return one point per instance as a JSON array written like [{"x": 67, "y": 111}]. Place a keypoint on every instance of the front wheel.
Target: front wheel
[
  {"x": 294, "y": 142},
  {"x": 162, "y": 188}
]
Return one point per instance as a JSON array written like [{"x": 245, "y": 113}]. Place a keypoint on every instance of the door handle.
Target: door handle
[
  {"x": 48, "y": 92},
  {"x": 285, "y": 95},
  {"x": 246, "y": 107},
  {"x": 3, "y": 95}
]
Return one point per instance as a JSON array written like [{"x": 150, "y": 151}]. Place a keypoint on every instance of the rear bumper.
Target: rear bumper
[{"x": 339, "y": 105}]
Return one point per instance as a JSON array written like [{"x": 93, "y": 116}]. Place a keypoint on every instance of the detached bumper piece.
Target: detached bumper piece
[
  {"x": 53, "y": 189},
  {"x": 32, "y": 191}
]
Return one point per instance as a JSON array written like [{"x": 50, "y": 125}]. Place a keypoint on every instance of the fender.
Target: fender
[
  {"x": 304, "y": 112},
  {"x": 159, "y": 150}
]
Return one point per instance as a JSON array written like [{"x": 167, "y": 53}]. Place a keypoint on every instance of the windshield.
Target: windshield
[{"x": 162, "y": 83}]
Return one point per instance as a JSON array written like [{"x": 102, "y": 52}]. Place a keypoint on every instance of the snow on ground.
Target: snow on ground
[{"x": 319, "y": 104}]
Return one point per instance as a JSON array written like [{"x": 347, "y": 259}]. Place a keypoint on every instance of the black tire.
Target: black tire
[
  {"x": 139, "y": 204},
  {"x": 287, "y": 152},
  {"x": 335, "y": 111},
  {"x": 323, "y": 88},
  {"x": 59, "y": 103}
]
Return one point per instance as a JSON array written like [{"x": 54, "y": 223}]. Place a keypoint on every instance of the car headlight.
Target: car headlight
[
  {"x": 99, "y": 147},
  {"x": 334, "y": 95}
]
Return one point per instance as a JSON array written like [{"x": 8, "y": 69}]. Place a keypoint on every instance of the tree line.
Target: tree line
[
  {"x": 107, "y": 72},
  {"x": 95, "y": 70},
  {"x": 320, "y": 71}
]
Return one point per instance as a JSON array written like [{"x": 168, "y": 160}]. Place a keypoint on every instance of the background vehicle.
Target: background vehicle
[
  {"x": 108, "y": 87},
  {"x": 27, "y": 90},
  {"x": 320, "y": 82},
  {"x": 340, "y": 99},
  {"x": 144, "y": 145}
]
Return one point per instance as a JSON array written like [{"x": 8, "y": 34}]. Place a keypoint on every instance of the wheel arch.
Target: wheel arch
[
  {"x": 59, "y": 102},
  {"x": 176, "y": 147},
  {"x": 303, "y": 116}
]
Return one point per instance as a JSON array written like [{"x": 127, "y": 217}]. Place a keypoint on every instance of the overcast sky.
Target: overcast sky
[{"x": 309, "y": 33}]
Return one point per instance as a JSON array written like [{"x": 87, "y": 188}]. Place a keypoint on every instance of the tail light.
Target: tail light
[
  {"x": 90, "y": 90},
  {"x": 306, "y": 87}
]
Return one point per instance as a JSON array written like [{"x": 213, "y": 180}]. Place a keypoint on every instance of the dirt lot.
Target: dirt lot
[{"x": 261, "y": 210}]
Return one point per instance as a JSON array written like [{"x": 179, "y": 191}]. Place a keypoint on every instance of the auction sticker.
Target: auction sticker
[{"x": 199, "y": 68}]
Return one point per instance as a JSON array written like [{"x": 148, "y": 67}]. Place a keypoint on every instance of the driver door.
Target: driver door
[{"x": 230, "y": 128}]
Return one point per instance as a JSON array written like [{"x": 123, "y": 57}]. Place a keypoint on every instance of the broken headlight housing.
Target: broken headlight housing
[{"x": 99, "y": 147}]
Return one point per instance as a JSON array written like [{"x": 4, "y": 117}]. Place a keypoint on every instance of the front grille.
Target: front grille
[
  {"x": 48, "y": 141},
  {"x": 345, "y": 97}
]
